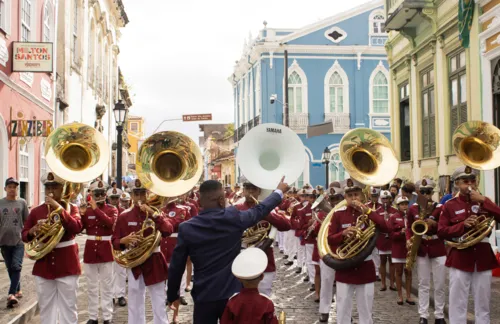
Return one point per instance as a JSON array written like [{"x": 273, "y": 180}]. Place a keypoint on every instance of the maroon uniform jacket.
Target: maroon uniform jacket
[
  {"x": 451, "y": 226},
  {"x": 397, "y": 225},
  {"x": 99, "y": 222},
  {"x": 281, "y": 223},
  {"x": 295, "y": 219},
  {"x": 60, "y": 262},
  {"x": 342, "y": 219},
  {"x": 120, "y": 210},
  {"x": 321, "y": 215},
  {"x": 305, "y": 217},
  {"x": 384, "y": 239},
  {"x": 249, "y": 307},
  {"x": 431, "y": 245},
  {"x": 374, "y": 205},
  {"x": 154, "y": 269},
  {"x": 176, "y": 214},
  {"x": 192, "y": 208}
]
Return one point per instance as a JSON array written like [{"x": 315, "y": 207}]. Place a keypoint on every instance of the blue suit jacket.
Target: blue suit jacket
[{"x": 213, "y": 240}]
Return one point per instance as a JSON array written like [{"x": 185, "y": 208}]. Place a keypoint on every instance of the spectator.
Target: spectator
[
  {"x": 408, "y": 191},
  {"x": 14, "y": 213}
]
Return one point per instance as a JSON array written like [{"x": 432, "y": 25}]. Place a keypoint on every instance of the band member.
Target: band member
[
  {"x": 374, "y": 204},
  {"x": 176, "y": 215},
  {"x": 98, "y": 222},
  {"x": 124, "y": 201},
  {"x": 470, "y": 268},
  {"x": 153, "y": 272},
  {"x": 56, "y": 274},
  {"x": 359, "y": 280},
  {"x": 113, "y": 196},
  {"x": 398, "y": 224},
  {"x": 228, "y": 192},
  {"x": 306, "y": 221},
  {"x": 250, "y": 191},
  {"x": 120, "y": 273},
  {"x": 312, "y": 234},
  {"x": 249, "y": 306},
  {"x": 296, "y": 224},
  {"x": 431, "y": 254},
  {"x": 327, "y": 273},
  {"x": 384, "y": 243},
  {"x": 192, "y": 208},
  {"x": 289, "y": 207},
  {"x": 283, "y": 236}
]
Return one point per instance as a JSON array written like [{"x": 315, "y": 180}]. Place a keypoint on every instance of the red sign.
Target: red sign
[{"x": 197, "y": 117}]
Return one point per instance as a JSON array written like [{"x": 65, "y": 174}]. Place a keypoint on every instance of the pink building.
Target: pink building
[{"x": 25, "y": 96}]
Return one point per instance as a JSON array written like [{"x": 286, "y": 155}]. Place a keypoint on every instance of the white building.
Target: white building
[{"x": 88, "y": 34}]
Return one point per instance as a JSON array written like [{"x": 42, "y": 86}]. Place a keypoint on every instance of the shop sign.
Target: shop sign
[
  {"x": 32, "y": 57},
  {"x": 31, "y": 128}
]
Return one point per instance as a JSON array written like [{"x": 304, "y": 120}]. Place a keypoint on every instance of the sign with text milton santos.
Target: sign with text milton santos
[
  {"x": 197, "y": 117},
  {"x": 32, "y": 57}
]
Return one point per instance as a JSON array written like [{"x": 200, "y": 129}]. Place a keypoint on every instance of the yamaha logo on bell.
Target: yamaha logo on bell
[{"x": 273, "y": 130}]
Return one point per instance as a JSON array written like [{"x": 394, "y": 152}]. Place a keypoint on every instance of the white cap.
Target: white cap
[
  {"x": 425, "y": 183},
  {"x": 249, "y": 264},
  {"x": 374, "y": 191},
  {"x": 402, "y": 199},
  {"x": 114, "y": 192},
  {"x": 98, "y": 185},
  {"x": 51, "y": 177},
  {"x": 385, "y": 194},
  {"x": 125, "y": 196}
]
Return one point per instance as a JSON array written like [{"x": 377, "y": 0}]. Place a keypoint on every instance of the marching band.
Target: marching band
[{"x": 344, "y": 236}]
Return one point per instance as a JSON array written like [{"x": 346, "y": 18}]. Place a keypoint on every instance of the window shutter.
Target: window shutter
[
  {"x": 425, "y": 136},
  {"x": 463, "y": 114},
  {"x": 454, "y": 119},
  {"x": 432, "y": 135}
]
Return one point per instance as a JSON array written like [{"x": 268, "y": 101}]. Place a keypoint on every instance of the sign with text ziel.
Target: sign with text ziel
[
  {"x": 32, "y": 57},
  {"x": 196, "y": 117}
]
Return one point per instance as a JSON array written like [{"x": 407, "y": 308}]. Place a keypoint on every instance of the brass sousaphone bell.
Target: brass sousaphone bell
[
  {"x": 369, "y": 158},
  {"x": 77, "y": 153},
  {"x": 477, "y": 145},
  {"x": 168, "y": 164}
]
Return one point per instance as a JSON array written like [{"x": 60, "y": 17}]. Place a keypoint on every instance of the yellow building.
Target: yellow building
[
  {"x": 135, "y": 134},
  {"x": 431, "y": 75},
  {"x": 489, "y": 40}
]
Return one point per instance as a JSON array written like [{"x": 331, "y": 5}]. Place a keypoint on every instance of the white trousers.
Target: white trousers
[
  {"x": 99, "y": 275},
  {"x": 326, "y": 292},
  {"x": 137, "y": 297},
  {"x": 290, "y": 245},
  {"x": 461, "y": 283},
  {"x": 57, "y": 297},
  {"x": 364, "y": 301},
  {"x": 376, "y": 260},
  {"x": 425, "y": 266},
  {"x": 301, "y": 254},
  {"x": 311, "y": 271},
  {"x": 266, "y": 285},
  {"x": 119, "y": 281},
  {"x": 281, "y": 240}
]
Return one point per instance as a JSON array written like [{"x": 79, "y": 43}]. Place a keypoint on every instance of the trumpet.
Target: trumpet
[{"x": 311, "y": 228}]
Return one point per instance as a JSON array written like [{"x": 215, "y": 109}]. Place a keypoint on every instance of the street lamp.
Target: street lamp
[
  {"x": 120, "y": 112},
  {"x": 326, "y": 161}
]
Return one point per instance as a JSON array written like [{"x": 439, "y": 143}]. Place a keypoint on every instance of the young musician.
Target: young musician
[
  {"x": 249, "y": 306},
  {"x": 120, "y": 273},
  {"x": 124, "y": 201},
  {"x": 431, "y": 253},
  {"x": 359, "y": 280},
  {"x": 281, "y": 223},
  {"x": 306, "y": 220},
  {"x": 289, "y": 206},
  {"x": 113, "y": 195},
  {"x": 470, "y": 268},
  {"x": 98, "y": 222},
  {"x": 374, "y": 204},
  {"x": 296, "y": 224},
  {"x": 384, "y": 242},
  {"x": 56, "y": 274},
  {"x": 153, "y": 272},
  {"x": 398, "y": 223}
]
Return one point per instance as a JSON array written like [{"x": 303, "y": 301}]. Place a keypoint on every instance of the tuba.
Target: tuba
[
  {"x": 77, "y": 153},
  {"x": 369, "y": 158},
  {"x": 265, "y": 154},
  {"x": 477, "y": 145},
  {"x": 169, "y": 164}
]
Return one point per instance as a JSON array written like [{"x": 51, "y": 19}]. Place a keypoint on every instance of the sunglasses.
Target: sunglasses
[
  {"x": 468, "y": 180},
  {"x": 425, "y": 191},
  {"x": 98, "y": 193}
]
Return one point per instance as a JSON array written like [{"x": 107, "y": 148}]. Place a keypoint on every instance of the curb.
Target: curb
[{"x": 27, "y": 315}]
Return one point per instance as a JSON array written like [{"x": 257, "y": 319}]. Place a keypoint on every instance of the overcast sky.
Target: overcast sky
[{"x": 178, "y": 55}]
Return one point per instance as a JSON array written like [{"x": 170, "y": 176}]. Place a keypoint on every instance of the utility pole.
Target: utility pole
[{"x": 286, "y": 119}]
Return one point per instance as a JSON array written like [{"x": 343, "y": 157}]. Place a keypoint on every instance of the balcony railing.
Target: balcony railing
[
  {"x": 241, "y": 131},
  {"x": 341, "y": 121},
  {"x": 299, "y": 122}
]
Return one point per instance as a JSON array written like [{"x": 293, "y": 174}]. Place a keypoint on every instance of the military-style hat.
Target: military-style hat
[
  {"x": 227, "y": 186},
  {"x": 385, "y": 194},
  {"x": 125, "y": 196},
  {"x": 136, "y": 185},
  {"x": 249, "y": 264},
  {"x": 464, "y": 172},
  {"x": 319, "y": 187},
  {"x": 98, "y": 185},
  {"x": 237, "y": 185},
  {"x": 374, "y": 191},
  {"x": 51, "y": 178},
  {"x": 352, "y": 185},
  {"x": 333, "y": 191},
  {"x": 402, "y": 199},
  {"x": 114, "y": 192},
  {"x": 425, "y": 183},
  {"x": 293, "y": 190}
]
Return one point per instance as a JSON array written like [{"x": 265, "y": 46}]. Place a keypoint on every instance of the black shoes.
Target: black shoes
[
  {"x": 306, "y": 279},
  {"x": 423, "y": 320},
  {"x": 106, "y": 322},
  {"x": 122, "y": 302},
  {"x": 299, "y": 270},
  {"x": 92, "y": 322},
  {"x": 289, "y": 263},
  {"x": 439, "y": 321},
  {"x": 323, "y": 318}
]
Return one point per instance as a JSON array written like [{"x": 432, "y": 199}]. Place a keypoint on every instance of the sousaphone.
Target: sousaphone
[{"x": 265, "y": 154}]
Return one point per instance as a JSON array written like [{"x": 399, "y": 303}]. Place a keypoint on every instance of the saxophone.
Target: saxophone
[
  {"x": 419, "y": 228},
  {"x": 311, "y": 228}
]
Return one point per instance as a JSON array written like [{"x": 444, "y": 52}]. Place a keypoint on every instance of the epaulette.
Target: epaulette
[
  {"x": 439, "y": 205},
  {"x": 342, "y": 208},
  {"x": 233, "y": 295},
  {"x": 415, "y": 204}
]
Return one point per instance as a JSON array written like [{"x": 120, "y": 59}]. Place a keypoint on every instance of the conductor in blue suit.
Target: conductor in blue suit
[{"x": 213, "y": 240}]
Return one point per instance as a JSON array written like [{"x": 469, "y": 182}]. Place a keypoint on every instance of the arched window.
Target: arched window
[
  {"x": 336, "y": 93},
  {"x": 379, "y": 90},
  {"x": 5, "y": 13},
  {"x": 337, "y": 171},
  {"x": 48, "y": 21},
  {"x": 377, "y": 23},
  {"x": 28, "y": 20},
  {"x": 294, "y": 93}
]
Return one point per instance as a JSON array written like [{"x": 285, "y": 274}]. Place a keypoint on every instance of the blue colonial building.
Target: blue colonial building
[{"x": 337, "y": 71}]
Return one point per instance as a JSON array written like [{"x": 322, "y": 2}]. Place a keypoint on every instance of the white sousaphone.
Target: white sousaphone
[{"x": 264, "y": 155}]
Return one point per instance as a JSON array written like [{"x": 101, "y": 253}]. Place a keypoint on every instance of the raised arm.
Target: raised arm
[
  {"x": 281, "y": 223},
  {"x": 252, "y": 216},
  {"x": 108, "y": 217}
]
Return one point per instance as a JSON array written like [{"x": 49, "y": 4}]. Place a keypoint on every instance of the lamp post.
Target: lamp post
[
  {"x": 326, "y": 161},
  {"x": 120, "y": 112}
]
